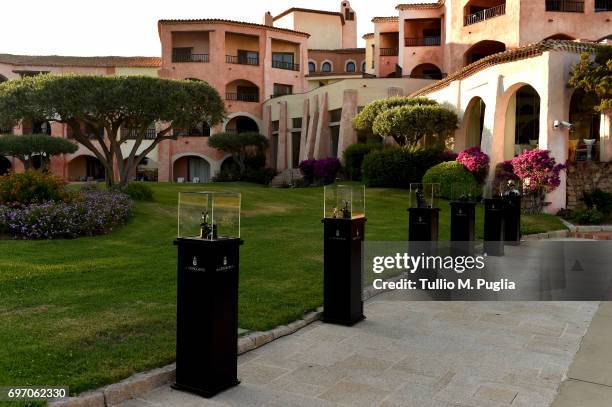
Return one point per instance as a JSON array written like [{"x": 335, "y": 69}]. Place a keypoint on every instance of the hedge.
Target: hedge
[
  {"x": 394, "y": 167},
  {"x": 448, "y": 173}
]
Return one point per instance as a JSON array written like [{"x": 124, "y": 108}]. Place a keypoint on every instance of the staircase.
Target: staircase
[{"x": 287, "y": 178}]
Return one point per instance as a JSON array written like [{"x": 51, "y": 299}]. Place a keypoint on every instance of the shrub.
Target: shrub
[
  {"x": 30, "y": 187},
  {"x": 476, "y": 162},
  {"x": 353, "y": 158},
  {"x": 586, "y": 216},
  {"x": 504, "y": 172},
  {"x": 598, "y": 199},
  {"x": 448, "y": 173},
  {"x": 448, "y": 155},
  {"x": 92, "y": 213},
  {"x": 260, "y": 175},
  {"x": 538, "y": 170},
  {"x": 307, "y": 169},
  {"x": 395, "y": 167},
  {"x": 326, "y": 169},
  {"x": 139, "y": 191},
  {"x": 364, "y": 121},
  {"x": 227, "y": 175}
]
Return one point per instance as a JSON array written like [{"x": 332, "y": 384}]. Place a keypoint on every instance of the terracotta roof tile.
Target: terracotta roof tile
[
  {"x": 420, "y": 6},
  {"x": 516, "y": 54},
  {"x": 89, "y": 62},
  {"x": 368, "y": 36},
  {"x": 389, "y": 19},
  {"x": 232, "y": 22},
  {"x": 309, "y": 10}
]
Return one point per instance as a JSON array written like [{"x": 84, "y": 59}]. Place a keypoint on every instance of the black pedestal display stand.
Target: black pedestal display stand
[
  {"x": 494, "y": 227},
  {"x": 512, "y": 219},
  {"x": 207, "y": 315},
  {"x": 463, "y": 219},
  {"x": 343, "y": 274},
  {"x": 423, "y": 237}
]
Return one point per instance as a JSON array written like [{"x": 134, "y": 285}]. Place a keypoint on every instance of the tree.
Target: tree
[
  {"x": 106, "y": 104},
  {"x": 593, "y": 74},
  {"x": 26, "y": 147},
  {"x": 239, "y": 145},
  {"x": 364, "y": 121},
  {"x": 409, "y": 124}
]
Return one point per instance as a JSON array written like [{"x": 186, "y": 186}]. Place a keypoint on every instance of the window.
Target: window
[
  {"x": 248, "y": 57},
  {"x": 350, "y": 66},
  {"x": 281, "y": 89},
  {"x": 363, "y": 66},
  {"x": 296, "y": 122},
  {"x": 283, "y": 60},
  {"x": 349, "y": 15},
  {"x": 326, "y": 67},
  {"x": 181, "y": 54},
  {"x": 312, "y": 67}
]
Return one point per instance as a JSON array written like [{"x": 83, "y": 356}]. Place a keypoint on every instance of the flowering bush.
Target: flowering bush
[
  {"x": 326, "y": 169},
  {"x": 475, "y": 161},
  {"x": 504, "y": 172},
  {"x": 18, "y": 189},
  {"x": 538, "y": 170},
  {"x": 321, "y": 171},
  {"x": 90, "y": 213},
  {"x": 307, "y": 169}
]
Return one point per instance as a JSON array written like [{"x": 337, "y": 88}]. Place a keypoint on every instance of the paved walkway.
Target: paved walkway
[{"x": 422, "y": 354}]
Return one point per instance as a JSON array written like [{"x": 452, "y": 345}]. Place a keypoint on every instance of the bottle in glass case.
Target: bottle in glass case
[
  {"x": 209, "y": 215},
  {"x": 424, "y": 196},
  {"x": 344, "y": 202}
]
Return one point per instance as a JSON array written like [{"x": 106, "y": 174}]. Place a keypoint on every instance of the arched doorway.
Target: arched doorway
[
  {"x": 586, "y": 124},
  {"x": 483, "y": 49},
  {"x": 86, "y": 168},
  {"x": 5, "y": 165},
  {"x": 191, "y": 168},
  {"x": 560, "y": 36},
  {"x": 242, "y": 91},
  {"x": 242, "y": 124},
  {"x": 522, "y": 124},
  {"x": 426, "y": 71},
  {"x": 147, "y": 170},
  {"x": 474, "y": 122}
]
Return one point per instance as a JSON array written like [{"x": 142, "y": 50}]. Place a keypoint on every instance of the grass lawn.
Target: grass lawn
[{"x": 92, "y": 311}]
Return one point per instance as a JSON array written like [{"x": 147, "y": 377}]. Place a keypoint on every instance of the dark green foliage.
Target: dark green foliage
[
  {"x": 593, "y": 74},
  {"x": 107, "y": 104},
  {"x": 240, "y": 146},
  {"x": 585, "y": 216},
  {"x": 364, "y": 121},
  {"x": 139, "y": 191},
  {"x": 598, "y": 199},
  {"x": 408, "y": 125},
  {"x": 448, "y": 173},
  {"x": 354, "y": 156},
  {"x": 25, "y": 146},
  {"x": 30, "y": 187},
  {"x": 398, "y": 167}
]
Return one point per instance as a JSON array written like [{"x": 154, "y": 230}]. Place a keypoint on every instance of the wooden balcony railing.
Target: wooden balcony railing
[
  {"x": 423, "y": 41},
  {"x": 485, "y": 14},
  {"x": 566, "y": 6},
  {"x": 389, "y": 52},
  {"x": 242, "y": 97},
  {"x": 151, "y": 134},
  {"x": 232, "y": 59},
  {"x": 190, "y": 58},
  {"x": 603, "y": 5},
  {"x": 286, "y": 65}
]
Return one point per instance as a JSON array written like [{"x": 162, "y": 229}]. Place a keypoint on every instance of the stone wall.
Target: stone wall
[{"x": 587, "y": 176}]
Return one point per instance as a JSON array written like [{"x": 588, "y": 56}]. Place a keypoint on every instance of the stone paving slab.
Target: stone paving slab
[{"x": 423, "y": 354}]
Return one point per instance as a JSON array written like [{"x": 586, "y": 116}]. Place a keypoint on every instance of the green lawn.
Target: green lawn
[{"x": 92, "y": 311}]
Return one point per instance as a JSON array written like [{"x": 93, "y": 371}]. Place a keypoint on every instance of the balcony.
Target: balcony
[
  {"x": 485, "y": 15},
  {"x": 603, "y": 5},
  {"x": 242, "y": 97},
  {"x": 177, "y": 57},
  {"x": 565, "y": 6},
  {"x": 290, "y": 66},
  {"x": 151, "y": 134},
  {"x": 423, "y": 41},
  {"x": 241, "y": 60},
  {"x": 389, "y": 52}
]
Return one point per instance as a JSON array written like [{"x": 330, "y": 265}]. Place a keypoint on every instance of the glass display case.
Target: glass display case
[
  {"x": 344, "y": 201},
  {"x": 466, "y": 193},
  {"x": 209, "y": 215},
  {"x": 510, "y": 188},
  {"x": 424, "y": 195},
  {"x": 492, "y": 190}
]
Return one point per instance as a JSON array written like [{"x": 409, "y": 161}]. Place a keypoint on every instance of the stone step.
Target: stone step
[{"x": 287, "y": 178}]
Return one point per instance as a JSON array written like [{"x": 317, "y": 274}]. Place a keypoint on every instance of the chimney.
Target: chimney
[{"x": 268, "y": 19}]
